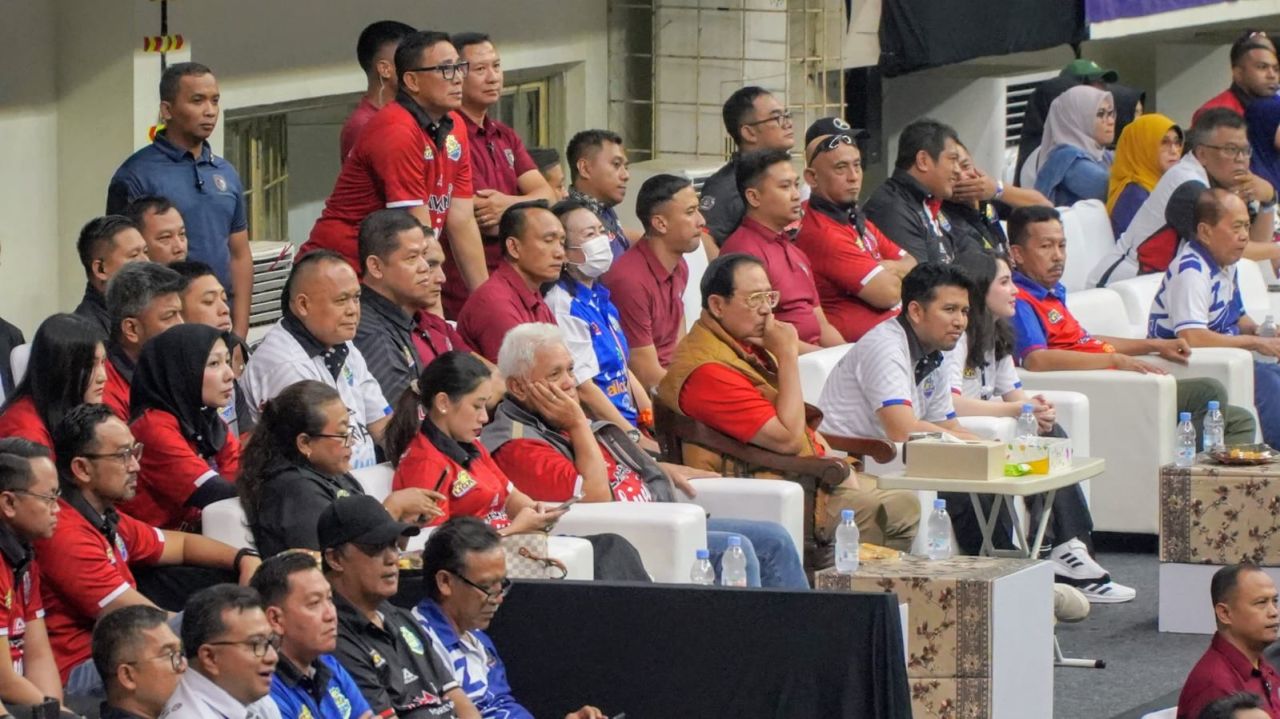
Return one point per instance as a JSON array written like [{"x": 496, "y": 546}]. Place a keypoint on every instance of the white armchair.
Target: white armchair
[
  {"x": 1089, "y": 238},
  {"x": 697, "y": 262},
  {"x": 816, "y": 366},
  {"x": 667, "y": 536},
  {"x": 758, "y": 499}
]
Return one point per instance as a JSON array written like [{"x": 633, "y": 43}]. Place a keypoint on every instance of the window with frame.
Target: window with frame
[
  {"x": 525, "y": 108},
  {"x": 258, "y": 148}
]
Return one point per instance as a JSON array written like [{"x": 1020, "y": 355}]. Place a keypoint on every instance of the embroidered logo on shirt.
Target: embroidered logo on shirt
[
  {"x": 427, "y": 154},
  {"x": 707, "y": 203},
  {"x": 452, "y": 148},
  {"x": 970, "y": 373},
  {"x": 463, "y": 484},
  {"x": 344, "y": 704},
  {"x": 305, "y": 713},
  {"x": 415, "y": 646},
  {"x": 511, "y": 157},
  {"x": 928, "y": 386},
  {"x": 121, "y": 549},
  {"x": 220, "y": 182},
  {"x": 376, "y": 658},
  {"x": 1054, "y": 316},
  {"x": 410, "y": 677}
]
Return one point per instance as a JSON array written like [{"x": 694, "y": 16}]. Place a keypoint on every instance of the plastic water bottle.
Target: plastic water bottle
[
  {"x": 1214, "y": 428},
  {"x": 1028, "y": 427},
  {"x": 703, "y": 573},
  {"x": 939, "y": 531},
  {"x": 1186, "y": 441},
  {"x": 1266, "y": 329},
  {"x": 733, "y": 565},
  {"x": 847, "y": 541}
]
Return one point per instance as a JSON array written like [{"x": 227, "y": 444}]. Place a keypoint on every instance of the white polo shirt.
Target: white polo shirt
[
  {"x": 1196, "y": 293},
  {"x": 993, "y": 381},
  {"x": 879, "y": 372},
  {"x": 197, "y": 697},
  {"x": 281, "y": 361}
]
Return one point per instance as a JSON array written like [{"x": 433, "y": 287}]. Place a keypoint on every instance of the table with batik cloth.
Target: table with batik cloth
[
  {"x": 980, "y": 632},
  {"x": 1212, "y": 515}
]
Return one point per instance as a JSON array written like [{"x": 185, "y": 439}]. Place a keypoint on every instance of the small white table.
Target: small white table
[{"x": 1082, "y": 468}]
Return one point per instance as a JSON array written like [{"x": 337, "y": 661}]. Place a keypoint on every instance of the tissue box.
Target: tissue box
[
  {"x": 1044, "y": 454},
  {"x": 981, "y": 460}
]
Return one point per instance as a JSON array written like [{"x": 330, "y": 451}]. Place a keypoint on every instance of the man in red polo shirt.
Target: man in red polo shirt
[
  {"x": 648, "y": 281},
  {"x": 87, "y": 566},
  {"x": 28, "y": 511},
  {"x": 1254, "y": 73},
  {"x": 376, "y": 53},
  {"x": 1244, "y": 605},
  {"x": 143, "y": 300},
  {"x": 412, "y": 154},
  {"x": 771, "y": 192},
  {"x": 859, "y": 280},
  {"x": 533, "y": 253},
  {"x": 502, "y": 172}
]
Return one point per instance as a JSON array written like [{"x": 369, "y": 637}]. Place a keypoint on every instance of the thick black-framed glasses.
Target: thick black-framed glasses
[
  {"x": 348, "y": 439},
  {"x": 258, "y": 644},
  {"x": 782, "y": 118},
  {"x": 504, "y": 587},
  {"x": 447, "y": 72}
]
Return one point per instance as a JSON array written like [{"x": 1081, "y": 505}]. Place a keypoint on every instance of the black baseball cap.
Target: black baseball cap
[
  {"x": 832, "y": 126},
  {"x": 361, "y": 519}
]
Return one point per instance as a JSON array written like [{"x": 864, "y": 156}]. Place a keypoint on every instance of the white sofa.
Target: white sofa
[{"x": 1089, "y": 237}]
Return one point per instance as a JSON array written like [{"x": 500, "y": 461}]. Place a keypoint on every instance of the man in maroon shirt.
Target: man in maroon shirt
[
  {"x": 533, "y": 249},
  {"x": 648, "y": 281},
  {"x": 502, "y": 172},
  {"x": 1244, "y": 604},
  {"x": 1254, "y": 73},
  {"x": 376, "y": 53},
  {"x": 770, "y": 190}
]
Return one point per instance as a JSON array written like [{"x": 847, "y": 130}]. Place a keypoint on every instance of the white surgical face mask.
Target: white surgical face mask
[{"x": 599, "y": 256}]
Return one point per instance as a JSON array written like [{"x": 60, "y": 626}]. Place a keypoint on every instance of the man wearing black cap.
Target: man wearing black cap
[
  {"x": 380, "y": 645},
  {"x": 1254, "y": 73},
  {"x": 860, "y": 278}
]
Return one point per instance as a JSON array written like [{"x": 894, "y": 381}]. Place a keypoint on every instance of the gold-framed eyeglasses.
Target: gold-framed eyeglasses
[
  {"x": 133, "y": 452},
  {"x": 763, "y": 298}
]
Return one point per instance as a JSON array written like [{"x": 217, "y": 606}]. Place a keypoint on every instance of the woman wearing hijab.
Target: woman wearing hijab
[
  {"x": 182, "y": 380},
  {"x": 66, "y": 369},
  {"x": 1263, "y": 119},
  {"x": 1148, "y": 147},
  {"x": 1073, "y": 165}
]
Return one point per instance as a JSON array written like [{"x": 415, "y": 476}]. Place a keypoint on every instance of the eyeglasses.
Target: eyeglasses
[
  {"x": 374, "y": 550},
  {"x": 491, "y": 595},
  {"x": 348, "y": 439},
  {"x": 768, "y": 298},
  {"x": 447, "y": 72},
  {"x": 49, "y": 499},
  {"x": 1233, "y": 152},
  {"x": 176, "y": 658},
  {"x": 258, "y": 645},
  {"x": 829, "y": 144},
  {"x": 782, "y": 118},
  {"x": 1106, "y": 114},
  {"x": 1174, "y": 142},
  {"x": 134, "y": 452}
]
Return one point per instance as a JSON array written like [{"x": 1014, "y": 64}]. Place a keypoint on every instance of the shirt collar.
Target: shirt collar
[
  {"x": 121, "y": 361},
  {"x": 596, "y": 294},
  {"x": 17, "y": 553},
  {"x": 911, "y": 184},
  {"x": 1037, "y": 290},
  {"x": 843, "y": 214},
  {"x": 457, "y": 451},
  {"x": 1205, "y": 255},
  {"x": 925, "y": 362},
  {"x": 1235, "y": 658},
  {"x": 314, "y": 685},
  {"x": 485, "y": 127},
  {"x": 783, "y": 237},
  {"x": 436, "y": 130},
  {"x": 433, "y": 615},
  {"x": 175, "y": 153},
  {"x": 508, "y": 273},
  {"x": 334, "y": 357},
  {"x": 372, "y": 300},
  {"x": 203, "y": 689},
  {"x": 352, "y": 615},
  {"x": 660, "y": 272},
  {"x": 93, "y": 297},
  {"x": 595, "y": 205}
]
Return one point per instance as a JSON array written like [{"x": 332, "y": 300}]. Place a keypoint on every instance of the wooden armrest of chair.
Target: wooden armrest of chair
[{"x": 881, "y": 450}]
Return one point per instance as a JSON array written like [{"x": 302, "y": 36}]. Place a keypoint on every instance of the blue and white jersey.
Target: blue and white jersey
[
  {"x": 593, "y": 333},
  {"x": 474, "y": 662},
  {"x": 1196, "y": 294}
]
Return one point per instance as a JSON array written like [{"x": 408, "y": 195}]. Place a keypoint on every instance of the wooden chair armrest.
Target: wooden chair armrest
[{"x": 881, "y": 450}]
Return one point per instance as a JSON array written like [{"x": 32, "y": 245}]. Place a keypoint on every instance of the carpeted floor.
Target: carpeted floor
[{"x": 1145, "y": 668}]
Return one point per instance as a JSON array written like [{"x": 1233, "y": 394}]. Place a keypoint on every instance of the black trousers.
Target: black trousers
[
  {"x": 615, "y": 559},
  {"x": 170, "y": 587},
  {"x": 1070, "y": 518}
]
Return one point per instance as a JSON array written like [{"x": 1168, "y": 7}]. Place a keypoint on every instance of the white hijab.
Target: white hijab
[{"x": 1071, "y": 121}]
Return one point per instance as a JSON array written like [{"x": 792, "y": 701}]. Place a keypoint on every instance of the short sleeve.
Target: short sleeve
[
  {"x": 843, "y": 262},
  {"x": 170, "y": 470},
  {"x": 463, "y": 179},
  {"x": 396, "y": 162},
  {"x": 523, "y": 160},
  {"x": 145, "y": 543},
  {"x": 35, "y": 602},
  {"x": 6, "y": 613},
  {"x": 373, "y": 404},
  {"x": 889, "y": 250},
  {"x": 1006, "y": 376},
  {"x": 953, "y": 366},
  {"x": 457, "y": 341},
  {"x": 239, "y": 216},
  {"x": 366, "y": 677},
  {"x": 1187, "y": 295},
  {"x": 349, "y": 689},
  {"x": 886, "y": 377},
  {"x": 726, "y": 401},
  {"x": 539, "y": 470},
  {"x": 635, "y": 310},
  {"x": 1028, "y": 333},
  {"x": 577, "y": 338},
  {"x": 938, "y": 405}
]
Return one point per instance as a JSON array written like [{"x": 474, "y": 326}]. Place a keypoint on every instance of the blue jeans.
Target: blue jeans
[
  {"x": 772, "y": 558},
  {"x": 1266, "y": 397}
]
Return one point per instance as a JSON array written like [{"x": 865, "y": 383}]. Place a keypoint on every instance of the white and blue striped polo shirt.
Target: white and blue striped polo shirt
[{"x": 1196, "y": 294}]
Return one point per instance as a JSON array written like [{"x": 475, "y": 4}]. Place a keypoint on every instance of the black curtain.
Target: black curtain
[{"x": 919, "y": 34}]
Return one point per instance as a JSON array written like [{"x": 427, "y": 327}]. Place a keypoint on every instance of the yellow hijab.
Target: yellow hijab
[{"x": 1138, "y": 154}]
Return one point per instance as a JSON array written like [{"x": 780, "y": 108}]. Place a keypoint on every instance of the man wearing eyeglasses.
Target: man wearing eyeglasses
[
  {"x": 309, "y": 680},
  {"x": 465, "y": 573},
  {"x": 140, "y": 659},
  {"x": 413, "y": 154},
  {"x": 755, "y": 120},
  {"x": 28, "y": 511},
  {"x": 737, "y": 371},
  {"x": 232, "y": 654},
  {"x": 1218, "y": 154},
  {"x": 88, "y": 566},
  {"x": 859, "y": 279},
  {"x": 380, "y": 645}
]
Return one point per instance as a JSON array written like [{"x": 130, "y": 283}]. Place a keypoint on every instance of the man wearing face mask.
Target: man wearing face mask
[{"x": 592, "y": 328}]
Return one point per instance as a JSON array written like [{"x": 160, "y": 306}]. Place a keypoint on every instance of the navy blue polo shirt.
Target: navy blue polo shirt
[
  {"x": 207, "y": 191},
  {"x": 329, "y": 693}
]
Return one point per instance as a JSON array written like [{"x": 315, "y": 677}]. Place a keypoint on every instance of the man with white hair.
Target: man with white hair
[{"x": 543, "y": 441}]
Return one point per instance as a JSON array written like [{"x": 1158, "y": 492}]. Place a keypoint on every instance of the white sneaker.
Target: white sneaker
[
  {"x": 1072, "y": 561},
  {"x": 1107, "y": 593}
]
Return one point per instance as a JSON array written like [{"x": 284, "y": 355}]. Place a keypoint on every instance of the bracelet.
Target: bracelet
[
  {"x": 245, "y": 552},
  {"x": 644, "y": 418},
  {"x": 999, "y": 190}
]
